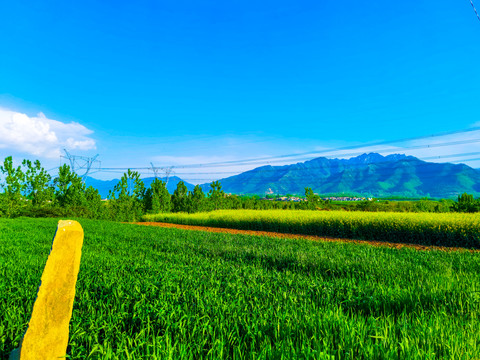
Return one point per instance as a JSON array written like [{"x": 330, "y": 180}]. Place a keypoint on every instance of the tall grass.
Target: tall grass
[
  {"x": 154, "y": 293},
  {"x": 461, "y": 230}
]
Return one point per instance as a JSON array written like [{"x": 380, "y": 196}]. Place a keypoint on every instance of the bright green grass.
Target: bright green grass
[
  {"x": 147, "y": 292},
  {"x": 462, "y": 230}
]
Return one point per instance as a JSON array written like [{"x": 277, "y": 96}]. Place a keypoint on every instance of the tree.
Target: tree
[
  {"x": 69, "y": 188},
  {"x": 309, "y": 193},
  {"x": 157, "y": 197},
  {"x": 128, "y": 197},
  {"x": 180, "y": 198},
  {"x": 14, "y": 179},
  {"x": 13, "y": 186},
  {"x": 312, "y": 198},
  {"x": 93, "y": 202},
  {"x": 216, "y": 194},
  {"x": 37, "y": 183},
  {"x": 130, "y": 187},
  {"x": 232, "y": 202},
  {"x": 466, "y": 203},
  {"x": 196, "y": 201}
]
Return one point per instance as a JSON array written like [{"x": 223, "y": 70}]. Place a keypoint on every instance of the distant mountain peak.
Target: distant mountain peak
[
  {"x": 391, "y": 175},
  {"x": 367, "y": 158},
  {"x": 375, "y": 158}
]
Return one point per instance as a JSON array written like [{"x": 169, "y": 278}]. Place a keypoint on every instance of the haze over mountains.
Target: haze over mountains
[{"x": 368, "y": 175}]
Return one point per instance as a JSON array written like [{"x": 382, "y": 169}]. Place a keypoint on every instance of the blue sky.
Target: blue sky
[{"x": 178, "y": 82}]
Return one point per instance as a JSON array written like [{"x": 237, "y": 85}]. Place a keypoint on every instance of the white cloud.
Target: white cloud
[{"x": 41, "y": 136}]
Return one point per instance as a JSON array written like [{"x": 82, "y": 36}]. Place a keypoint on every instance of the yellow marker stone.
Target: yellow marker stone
[{"x": 47, "y": 333}]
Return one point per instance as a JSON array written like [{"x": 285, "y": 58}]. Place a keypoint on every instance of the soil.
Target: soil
[{"x": 309, "y": 237}]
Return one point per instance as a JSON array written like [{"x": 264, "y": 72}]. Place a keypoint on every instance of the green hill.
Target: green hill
[{"x": 368, "y": 174}]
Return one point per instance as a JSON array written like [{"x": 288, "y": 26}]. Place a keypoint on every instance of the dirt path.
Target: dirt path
[{"x": 296, "y": 236}]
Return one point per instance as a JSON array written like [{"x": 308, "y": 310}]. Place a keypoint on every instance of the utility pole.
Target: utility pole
[
  {"x": 155, "y": 170},
  {"x": 81, "y": 163},
  {"x": 166, "y": 170},
  {"x": 71, "y": 158}
]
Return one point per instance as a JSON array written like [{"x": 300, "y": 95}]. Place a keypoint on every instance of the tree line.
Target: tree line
[
  {"x": 28, "y": 190},
  {"x": 464, "y": 203}
]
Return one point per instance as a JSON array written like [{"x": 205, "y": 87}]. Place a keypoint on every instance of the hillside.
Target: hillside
[{"x": 368, "y": 174}]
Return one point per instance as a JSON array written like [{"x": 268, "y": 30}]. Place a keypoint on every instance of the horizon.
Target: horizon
[{"x": 163, "y": 177}]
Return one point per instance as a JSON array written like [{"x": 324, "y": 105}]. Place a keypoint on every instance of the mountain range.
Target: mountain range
[{"x": 367, "y": 175}]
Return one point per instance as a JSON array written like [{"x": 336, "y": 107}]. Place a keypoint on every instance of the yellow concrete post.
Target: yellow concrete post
[{"x": 47, "y": 333}]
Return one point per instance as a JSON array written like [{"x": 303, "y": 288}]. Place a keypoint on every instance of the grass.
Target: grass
[
  {"x": 155, "y": 293},
  {"x": 454, "y": 230}
]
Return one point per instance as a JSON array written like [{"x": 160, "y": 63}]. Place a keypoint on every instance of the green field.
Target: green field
[
  {"x": 149, "y": 292},
  {"x": 457, "y": 230}
]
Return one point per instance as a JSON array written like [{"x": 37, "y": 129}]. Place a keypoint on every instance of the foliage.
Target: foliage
[
  {"x": 38, "y": 186},
  {"x": 157, "y": 197},
  {"x": 180, "y": 198},
  {"x": 13, "y": 186},
  {"x": 216, "y": 195},
  {"x": 127, "y": 200},
  {"x": 51, "y": 211},
  {"x": 312, "y": 199},
  {"x": 425, "y": 228},
  {"x": 69, "y": 188},
  {"x": 466, "y": 203},
  {"x": 154, "y": 293},
  {"x": 94, "y": 203},
  {"x": 14, "y": 178},
  {"x": 3, "y": 205},
  {"x": 196, "y": 200}
]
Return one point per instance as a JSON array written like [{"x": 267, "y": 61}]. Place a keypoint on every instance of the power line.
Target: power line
[
  {"x": 388, "y": 151},
  {"x": 253, "y": 161},
  {"x": 240, "y": 162},
  {"x": 476, "y": 13},
  {"x": 344, "y": 165},
  {"x": 351, "y": 147},
  {"x": 87, "y": 162},
  {"x": 423, "y": 158},
  {"x": 121, "y": 171}
]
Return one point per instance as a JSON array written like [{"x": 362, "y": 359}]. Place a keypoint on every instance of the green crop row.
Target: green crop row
[
  {"x": 459, "y": 230},
  {"x": 155, "y": 293}
]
